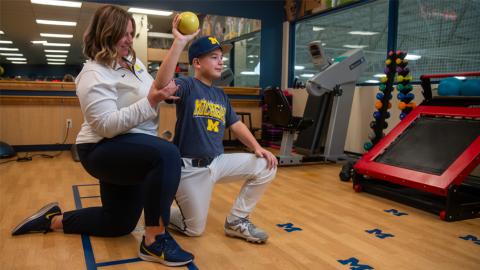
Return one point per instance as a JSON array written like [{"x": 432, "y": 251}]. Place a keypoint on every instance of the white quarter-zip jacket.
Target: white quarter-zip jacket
[{"x": 114, "y": 101}]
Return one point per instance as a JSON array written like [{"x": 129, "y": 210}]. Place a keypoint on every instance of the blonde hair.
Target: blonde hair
[{"x": 106, "y": 28}]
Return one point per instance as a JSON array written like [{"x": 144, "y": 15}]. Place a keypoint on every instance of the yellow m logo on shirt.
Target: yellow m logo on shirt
[{"x": 212, "y": 125}]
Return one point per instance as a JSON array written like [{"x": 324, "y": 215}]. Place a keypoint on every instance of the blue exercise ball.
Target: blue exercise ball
[
  {"x": 449, "y": 87},
  {"x": 470, "y": 87}
]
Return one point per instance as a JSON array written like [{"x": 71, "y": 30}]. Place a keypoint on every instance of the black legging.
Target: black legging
[{"x": 135, "y": 171}]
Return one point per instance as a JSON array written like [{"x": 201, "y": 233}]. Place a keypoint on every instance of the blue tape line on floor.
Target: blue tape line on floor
[
  {"x": 87, "y": 245},
  {"x": 89, "y": 197},
  {"x": 102, "y": 264},
  {"x": 192, "y": 266}
]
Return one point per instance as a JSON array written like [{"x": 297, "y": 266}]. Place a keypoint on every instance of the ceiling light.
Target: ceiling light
[
  {"x": 355, "y": 46},
  {"x": 57, "y": 3},
  {"x": 9, "y": 49},
  {"x": 363, "y": 33},
  {"x": 38, "y": 41},
  {"x": 224, "y": 59},
  {"x": 6, "y": 42},
  {"x": 248, "y": 73},
  {"x": 18, "y": 62},
  {"x": 252, "y": 56},
  {"x": 54, "y": 63},
  {"x": 11, "y": 54},
  {"x": 56, "y": 51},
  {"x": 1, "y": 32},
  {"x": 64, "y": 23},
  {"x": 379, "y": 75},
  {"x": 160, "y": 35},
  {"x": 57, "y": 60},
  {"x": 16, "y": 59},
  {"x": 150, "y": 11},
  {"x": 56, "y": 55},
  {"x": 299, "y": 67},
  {"x": 316, "y": 28},
  {"x": 307, "y": 75},
  {"x": 56, "y": 44},
  {"x": 372, "y": 81},
  {"x": 56, "y": 35},
  {"x": 412, "y": 57}
]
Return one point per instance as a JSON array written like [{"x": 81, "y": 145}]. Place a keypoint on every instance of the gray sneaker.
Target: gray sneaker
[{"x": 244, "y": 228}]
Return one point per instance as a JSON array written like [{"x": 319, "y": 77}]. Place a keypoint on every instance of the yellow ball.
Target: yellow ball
[{"x": 188, "y": 23}]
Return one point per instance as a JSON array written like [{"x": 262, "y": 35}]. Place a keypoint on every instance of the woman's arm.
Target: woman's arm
[{"x": 98, "y": 101}]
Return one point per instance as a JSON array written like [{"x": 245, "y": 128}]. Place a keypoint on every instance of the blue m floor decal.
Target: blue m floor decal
[
  {"x": 472, "y": 238},
  {"x": 395, "y": 212},
  {"x": 378, "y": 233},
  {"x": 354, "y": 264},
  {"x": 288, "y": 227}
]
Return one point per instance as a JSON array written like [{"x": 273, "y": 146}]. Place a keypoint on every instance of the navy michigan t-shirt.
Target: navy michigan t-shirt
[{"x": 203, "y": 113}]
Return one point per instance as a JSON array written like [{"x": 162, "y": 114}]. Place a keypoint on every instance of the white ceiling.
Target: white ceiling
[{"x": 17, "y": 21}]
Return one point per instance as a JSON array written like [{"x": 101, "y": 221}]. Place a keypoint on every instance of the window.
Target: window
[
  {"x": 247, "y": 61},
  {"x": 440, "y": 36},
  {"x": 363, "y": 26}
]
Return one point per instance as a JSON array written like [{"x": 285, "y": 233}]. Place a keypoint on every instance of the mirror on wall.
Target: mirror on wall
[{"x": 31, "y": 48}]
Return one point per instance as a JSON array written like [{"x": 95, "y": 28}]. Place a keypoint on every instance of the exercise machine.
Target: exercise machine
[
  {"x": 323, "y": 127},
  {"x": 329, "y": 104}
]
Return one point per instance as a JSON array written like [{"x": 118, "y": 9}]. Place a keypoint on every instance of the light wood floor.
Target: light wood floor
[{"x": 333, "y": 221}]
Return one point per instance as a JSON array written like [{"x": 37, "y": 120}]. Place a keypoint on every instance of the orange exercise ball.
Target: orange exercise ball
[{"x": 188, "y": 23}]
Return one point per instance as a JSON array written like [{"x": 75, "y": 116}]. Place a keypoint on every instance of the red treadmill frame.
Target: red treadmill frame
[{"x": 437, "y": 184}]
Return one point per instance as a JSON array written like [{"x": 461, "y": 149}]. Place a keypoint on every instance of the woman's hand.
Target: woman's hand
[
  {"x": 156, "y": 95},
  {"x": 179, "y": 36}
]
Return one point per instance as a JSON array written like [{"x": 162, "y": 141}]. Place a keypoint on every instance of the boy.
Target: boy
[{"x": 203, "y": 113}]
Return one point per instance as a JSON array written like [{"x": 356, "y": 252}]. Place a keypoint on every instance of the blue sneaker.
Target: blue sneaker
[
  {"x": 164, "y": 250},
  {"x": 38, "y": 222}
]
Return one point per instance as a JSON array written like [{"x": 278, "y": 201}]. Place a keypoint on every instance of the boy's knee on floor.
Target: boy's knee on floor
[
  {"x": 195, "y": 231},
  {"x": 195, "y": 228}
]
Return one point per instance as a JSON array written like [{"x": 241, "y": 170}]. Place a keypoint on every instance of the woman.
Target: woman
[{"x": 118, "y": 141}]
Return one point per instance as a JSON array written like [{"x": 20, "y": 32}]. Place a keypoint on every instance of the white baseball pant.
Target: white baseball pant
[{"x": 196, "y": 186}]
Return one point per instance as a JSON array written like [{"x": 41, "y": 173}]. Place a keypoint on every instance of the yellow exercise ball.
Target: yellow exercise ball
[{"x": 188, "y": 23}]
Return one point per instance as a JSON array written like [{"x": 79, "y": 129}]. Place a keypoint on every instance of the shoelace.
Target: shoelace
[
  {"x": 167, "y": 243},
  {"x": 246, "y": 222}
]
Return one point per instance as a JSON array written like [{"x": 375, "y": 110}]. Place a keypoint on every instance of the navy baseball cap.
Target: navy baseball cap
[{"x": 204, "y": 45}]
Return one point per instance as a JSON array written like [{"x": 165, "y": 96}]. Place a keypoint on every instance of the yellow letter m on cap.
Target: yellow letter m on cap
[{"x": 213, "y": 40}]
